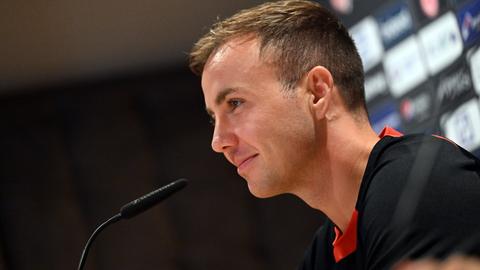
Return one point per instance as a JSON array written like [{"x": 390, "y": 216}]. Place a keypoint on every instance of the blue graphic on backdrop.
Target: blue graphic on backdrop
[
  {"x": 469, "y": 22},
  {"x": 395, "y": 23},
  {"x": 385, "y": 114}
]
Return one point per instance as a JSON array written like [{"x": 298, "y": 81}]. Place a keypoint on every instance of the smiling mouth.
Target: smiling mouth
[{"x": 245, "y": 163}]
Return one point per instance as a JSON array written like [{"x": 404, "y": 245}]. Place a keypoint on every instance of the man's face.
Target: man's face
[{"x": 267, "y": 134}]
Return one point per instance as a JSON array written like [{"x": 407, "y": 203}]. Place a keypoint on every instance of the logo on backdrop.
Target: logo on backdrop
[
  {"x": 416, "y": 108},
  {"x": 454, "y": 85},
  {"x": 404, "y": 67},
  {"x": 469, "y": 21},
  {"x": 395, "y": 24},
  {"x": 342, "y": 6},
  {"x": 424, "y": 11},
  {"x": 463, "y": 125},
  {"x": 375, "y": 85},
  {"x": 368, "y": 42},
  {"x": 383, "y": 115},
  {"x": 441, "y": 42},
  {"x": 430, "y": 8}
]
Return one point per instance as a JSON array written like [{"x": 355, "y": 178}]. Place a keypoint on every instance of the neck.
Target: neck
[{"x": 339, "y": 170}]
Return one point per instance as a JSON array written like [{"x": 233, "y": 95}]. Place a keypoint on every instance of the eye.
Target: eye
[
  {"x": 211, "y": 120},
  {"x": 234, "y": 103}
]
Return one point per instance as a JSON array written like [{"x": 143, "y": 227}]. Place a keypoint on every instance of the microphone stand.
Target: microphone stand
[
  {"x": 134, "y": 208},
  {"x": 100, "y": 228}
]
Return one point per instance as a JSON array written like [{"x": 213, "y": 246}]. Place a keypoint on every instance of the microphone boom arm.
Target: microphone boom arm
[
  {"x": 100, "y": 228},
  {"x": 134, "y": 208}
]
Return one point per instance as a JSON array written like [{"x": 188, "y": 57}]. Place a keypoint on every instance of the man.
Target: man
[{"x": 283, "y": 84}]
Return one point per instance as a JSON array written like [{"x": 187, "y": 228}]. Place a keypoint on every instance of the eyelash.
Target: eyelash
[
  {"x": 212, "y": 121},
  {"x": 232, "y": 103}
]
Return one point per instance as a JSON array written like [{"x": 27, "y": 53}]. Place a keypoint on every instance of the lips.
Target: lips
[{"x": 243, "y": 164}]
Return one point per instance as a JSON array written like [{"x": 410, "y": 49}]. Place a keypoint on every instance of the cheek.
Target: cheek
[
  {"x": 253, "y": 126},
  {"x": 254, "y": 132},
  {"x": 281, "y": 130},
  {"x": 292, "y": 133}
]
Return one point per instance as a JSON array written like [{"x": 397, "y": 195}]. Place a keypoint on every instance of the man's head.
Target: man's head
[
  {"x": 295, "y": 36},
  {"x": 271, "y": 76}
]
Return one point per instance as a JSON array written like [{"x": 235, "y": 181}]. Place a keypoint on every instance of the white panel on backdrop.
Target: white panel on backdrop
[
  {"x": 368, "y": 42},
  {"x": 475, "y": 69},
  {"x": 463, "y": 125},
  {"x": 441, "y": 42},
  {"x": 375, "y": 85},
  {"x": 404, "y": 67}
]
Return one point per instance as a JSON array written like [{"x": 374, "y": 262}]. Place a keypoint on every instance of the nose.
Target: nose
[{"x": 223, "y": 137}]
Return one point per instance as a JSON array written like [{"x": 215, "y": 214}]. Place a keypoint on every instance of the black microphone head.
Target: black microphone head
[{"x": 147, "y": 201}]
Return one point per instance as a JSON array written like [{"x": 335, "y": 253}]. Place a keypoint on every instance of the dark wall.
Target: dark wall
[{"x": 71, "y": 155}]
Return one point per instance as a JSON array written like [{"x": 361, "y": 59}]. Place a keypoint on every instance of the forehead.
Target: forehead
[
  {"x": 240, "y": 54},
  {"x": 238, "y": 65},
  {"x": 234, "y": 65}
]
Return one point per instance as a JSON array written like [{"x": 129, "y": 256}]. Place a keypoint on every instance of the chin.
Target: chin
[{"x": 261, "y": 193}]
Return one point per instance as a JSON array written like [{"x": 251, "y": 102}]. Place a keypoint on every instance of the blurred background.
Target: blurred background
[{"x": 98, "y": 107}]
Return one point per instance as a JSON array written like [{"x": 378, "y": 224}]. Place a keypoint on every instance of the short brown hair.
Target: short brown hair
[{"x": 302, "y": 35}]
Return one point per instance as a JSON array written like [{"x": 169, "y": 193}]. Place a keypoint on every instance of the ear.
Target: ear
[{"x": 320, "y": 86}]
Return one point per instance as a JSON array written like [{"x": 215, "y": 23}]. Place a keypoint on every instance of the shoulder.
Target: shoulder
[
  {"x": 425, "y": 185},
  {"x": 393, "y": 161},
  {"x": 424, "y": 170}
]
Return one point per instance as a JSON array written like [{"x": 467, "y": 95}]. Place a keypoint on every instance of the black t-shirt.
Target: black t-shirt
[{"x": 419, "y": 197}]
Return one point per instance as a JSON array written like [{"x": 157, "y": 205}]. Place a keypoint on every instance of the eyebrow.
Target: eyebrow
[
  {"x": 223, "y": 94},
  {"x": 221, "y": 97}
]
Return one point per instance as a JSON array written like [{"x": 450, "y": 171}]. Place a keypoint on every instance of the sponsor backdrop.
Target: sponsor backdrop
[{"x": 422, "y": 64}]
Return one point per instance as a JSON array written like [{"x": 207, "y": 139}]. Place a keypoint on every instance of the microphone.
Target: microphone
[
  {"x": 134, "y": 208},
  {"x": 143, "y": 203}
]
